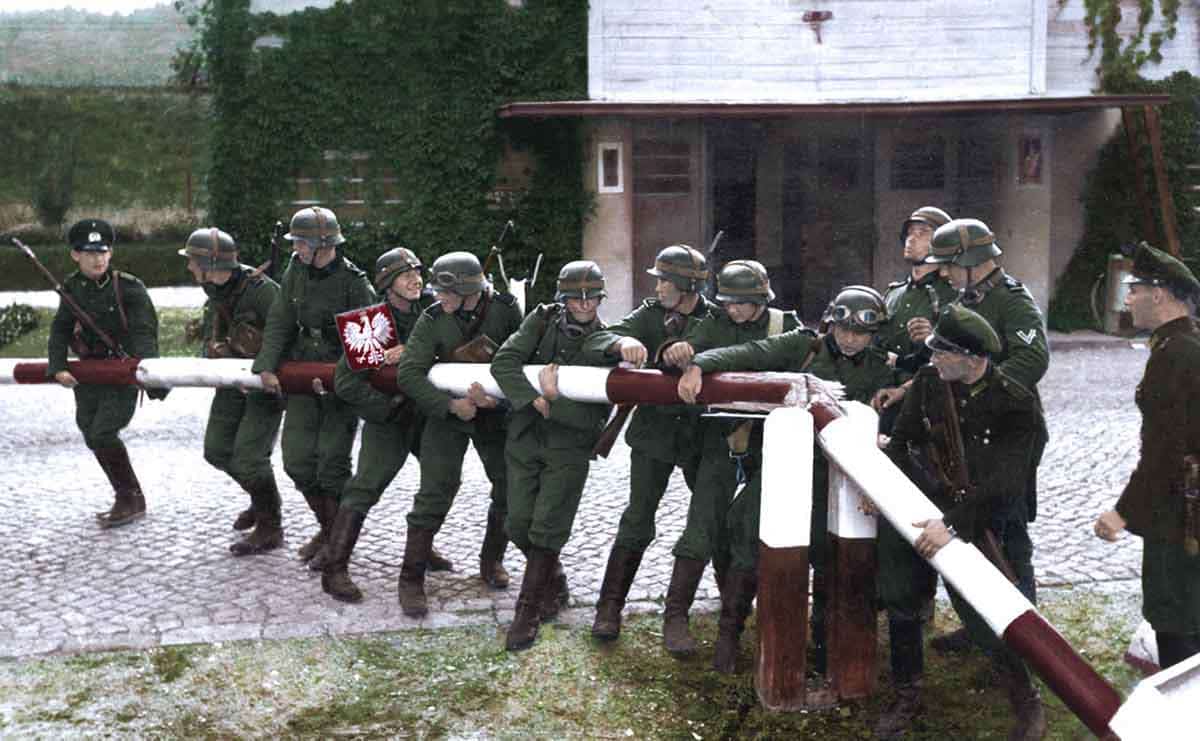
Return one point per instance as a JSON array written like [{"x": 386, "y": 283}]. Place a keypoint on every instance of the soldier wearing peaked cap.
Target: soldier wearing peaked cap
[
  {"x": 1161, "y": 502},
  {"x": 318, "y": 430},
  {"x": 242, "y": 428},
  {"x": 967, "y": 435},
  {"x": 120, "y": 306}
]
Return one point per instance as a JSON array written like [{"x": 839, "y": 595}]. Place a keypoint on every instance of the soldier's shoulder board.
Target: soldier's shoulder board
[
  {"x": 1013, "y": 284},
  {"x": 354, "y": 269},
  {"x": 894, "y": 285},
  {"x": 548, "y": 311},
  {"x": 1012, "y": 386},
  {"x": 650, "y": 303},
  {"x": 129, "y": 278}
]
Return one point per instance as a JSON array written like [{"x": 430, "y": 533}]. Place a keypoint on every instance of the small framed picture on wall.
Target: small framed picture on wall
[{"x": 1030, "y": 160}]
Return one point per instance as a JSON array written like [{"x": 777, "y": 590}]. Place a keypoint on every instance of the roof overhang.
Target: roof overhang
[{"x": 644, "y": 109}]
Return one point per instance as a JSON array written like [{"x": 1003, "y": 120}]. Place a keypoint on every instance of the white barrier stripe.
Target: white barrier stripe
[
  {"x": 787, "y": 457},
  {"x": 8, "y": 370},
  {"x": 456, "y": 378},
  {"x": 846, "y": 520},
  {"x": 992, "y": 595},
  {"x": 200, "y": 372}
]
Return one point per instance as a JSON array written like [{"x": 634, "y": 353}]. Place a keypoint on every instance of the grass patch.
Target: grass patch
[
  {"x": 170, "y": 662},
  {"x": 172, "y": 341}
]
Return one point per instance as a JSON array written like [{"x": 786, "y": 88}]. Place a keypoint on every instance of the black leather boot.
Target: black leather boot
[
  {"x": 318, "y": 505},
  {"x": 685, "y": 579},
  {"x": 618, "y": 578},
  {"x": 268, "y": 530},
  {"x": 342, "y": 538},
  {"x": 491, "y": 553}
]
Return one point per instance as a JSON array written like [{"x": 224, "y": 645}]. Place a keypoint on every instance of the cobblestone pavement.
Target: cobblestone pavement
[{"x": 66, "y": 586}]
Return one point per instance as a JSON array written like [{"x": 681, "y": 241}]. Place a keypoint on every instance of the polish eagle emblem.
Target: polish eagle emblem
[{"x": 365, "y": 334}]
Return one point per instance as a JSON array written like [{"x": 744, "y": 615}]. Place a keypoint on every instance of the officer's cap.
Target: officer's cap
[
  {"x": 91, "y": 235},
  {"x": 1152, "y": 266},
  {"x": 964, "y": 332}
]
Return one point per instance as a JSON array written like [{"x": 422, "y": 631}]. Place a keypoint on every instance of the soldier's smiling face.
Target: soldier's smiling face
[
  {"x": 583, "y": 310},
  {"x": 406, "y": 285},
  {"x": 92, "y": 264}
]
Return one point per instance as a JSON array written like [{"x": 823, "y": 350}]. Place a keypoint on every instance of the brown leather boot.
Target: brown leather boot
[
  {"x": 411, "y": 585},
  {"x": 268, "y": 531},
  {"x": 491, "y": 553},
  {"x": 342, "y": 537},
  {"x": 129, "y": 504},
  {"x": 1026, "y": 701},
  {"x": 321, "y": 509},
  {"x": 736, "y": 603},
  {"x": 685, "y": 578},
  {"x": 618, "y": 578},
  {"x": 438, "y": 562},
  {"x": 245, "y": 519},
  {"x": 556, "y": 593},
  {"x": 538, "y": 571}
]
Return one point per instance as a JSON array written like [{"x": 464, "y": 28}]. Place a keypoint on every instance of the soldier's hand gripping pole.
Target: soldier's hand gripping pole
[{"x": 84, "y": 318}]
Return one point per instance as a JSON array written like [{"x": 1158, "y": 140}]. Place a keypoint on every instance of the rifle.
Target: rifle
[
  {"x": 272, "y": 265},
  {"x": 82, "y": 316},
  {"x": 494, "y": 252},
  {"x": 710, "y": 285},
  {"x": 951, "y": 465},
  {"x": 1191, "y": 504}
]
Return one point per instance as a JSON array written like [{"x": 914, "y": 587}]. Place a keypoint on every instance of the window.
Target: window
[{"x": 608, "y": 162}]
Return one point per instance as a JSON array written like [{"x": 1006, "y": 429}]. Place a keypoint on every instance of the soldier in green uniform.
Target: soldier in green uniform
[
  {"x": 121, "y": 307},
  {"x": 550, "y": 440},
  {"x": 242, "y": 427},
  {"x": 660, "y": 438},
  {"x": 1159, "y": 503},
  {"x": 913, "y": 303},
  {"x": 966, "y": 252},
  {"x": 729, "y": 452},
  {"x": 391, "y": 423},
  {"x": 318, "y": 430},
  {"x": 999, "y": 421},
  {"x": 467, "y": 324},
  {"x": 846, "y": 354}
]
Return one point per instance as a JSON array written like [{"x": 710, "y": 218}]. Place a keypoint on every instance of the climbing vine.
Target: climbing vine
[{"x": 1122, "y": 57}]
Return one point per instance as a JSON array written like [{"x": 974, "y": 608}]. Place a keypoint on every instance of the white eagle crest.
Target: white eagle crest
[{"x": 367, "y": 338}]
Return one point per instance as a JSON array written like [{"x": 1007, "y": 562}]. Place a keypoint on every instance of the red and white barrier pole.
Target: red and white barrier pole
[
  {"x": 783, "y": 531},
  {"x": 1013, "y": 618}
]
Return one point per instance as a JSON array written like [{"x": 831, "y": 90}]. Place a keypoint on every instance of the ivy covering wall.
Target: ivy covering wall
[{"x": 416, "y": 86}]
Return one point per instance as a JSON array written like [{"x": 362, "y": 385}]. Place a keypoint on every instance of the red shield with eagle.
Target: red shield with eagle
[{"x": 365, "y": 334}]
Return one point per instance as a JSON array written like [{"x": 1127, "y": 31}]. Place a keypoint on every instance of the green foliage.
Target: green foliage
[
  {"x": 1112, "y": 215},
  {"x": 1122, "y": 58},
  {"x": 126, "y": 147},
  {"x": 16, "y": 320},
  {"x": 416, "y": 87},
  {"x": 54, "y": 184},
  {"x": 155, "y": 263}
]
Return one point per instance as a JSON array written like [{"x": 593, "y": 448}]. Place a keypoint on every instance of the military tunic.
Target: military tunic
[
  {"x": 547, "y": 458},
  {"x": 716, "y": 523},
  {"x": 101, "y": 412},
  {"x": 660, "y": 437},
  {"x": 318, "y": 431},
  {"x": 1025, "y": 356},
  {"x": 999, "y": 419},
  {"x": 242, "y": 428},
  {"x": 1152, "y": 502},
  {"x": 445, "y": 437},
  {"x": 391, "y": 424},
  {"x": 906, "y": 300}
]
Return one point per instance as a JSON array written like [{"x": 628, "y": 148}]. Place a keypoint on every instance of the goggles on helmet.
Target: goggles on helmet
[{"x": 864, "y": 317}]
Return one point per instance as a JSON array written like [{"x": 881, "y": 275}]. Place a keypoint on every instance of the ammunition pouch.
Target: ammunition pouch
[{"x": 479, "y": 350}]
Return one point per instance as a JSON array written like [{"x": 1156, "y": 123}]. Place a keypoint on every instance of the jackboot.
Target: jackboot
[
  {"x": 618, "y": 578},
  {"x": 1024, "y": 698},
  {"x": 320, "y": 509},
  {"x": 335, "y": 580},
  {"x": 438, "y": 562},
  {"x": 539, "y": 569},
  {"x": 685, "y": 579},
  {"x": 411, "y": 585},
  {"x": 245, "y": 519},
  {"x": 556, "y": 594},
  {"x": 318, "y": 561},
  {"x": 491, "y": 553},
  {"x": 908, "y": 666},
  {"x": 129, "y": 504},
  {"x": 736, "y": 603},
  {"x": 268, "y": 530},
  {"x": 954, "y": 642}
]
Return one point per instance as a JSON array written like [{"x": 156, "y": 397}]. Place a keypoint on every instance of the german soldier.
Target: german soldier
[
  {"x": 1161, "y": 502},
  {"x": 660, "y": 438},
  {"x": 966, "y": 252},
  {"x": 550, "y": 441},
  {"x": 242, "y": 427},
  {"x": 391, "y": 423},
  {"x": 120, "y": 306},
  {"x": 845, "y": 354},
  {"x": 967, "y": 433},
  {"x": 730, "y": 453},
  {"x": 467, "y": 324},
  {"x": 318, "y": 431}
]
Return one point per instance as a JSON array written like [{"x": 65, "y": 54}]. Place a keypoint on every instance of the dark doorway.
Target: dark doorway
[{"x": 732, "y": 163}]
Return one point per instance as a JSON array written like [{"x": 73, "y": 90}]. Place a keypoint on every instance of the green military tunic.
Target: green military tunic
[
  {"x": 1000, "y": 421},
  {"x": 660, "y": 437},
  {"x": 242, "y": 428},
  {"x": 391, "y": 423},
  {"x": 1152, "y": 502},
  {"x": 715, "y": 523},
  {"x": 906, "y": 300},
  {"x": 445, "y": 437},
  {"x": 101, "y": 412},
  {"x": 547, "y": 458},
  {"x": 318, "y": 431}
]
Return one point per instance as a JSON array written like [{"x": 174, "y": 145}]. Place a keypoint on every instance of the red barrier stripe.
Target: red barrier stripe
[{"x": 631, "y": 386}]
